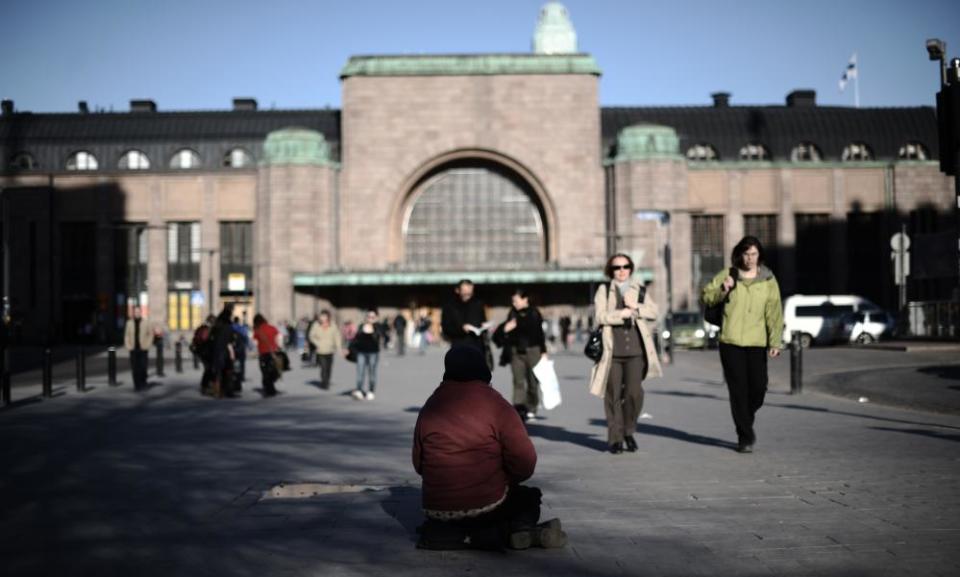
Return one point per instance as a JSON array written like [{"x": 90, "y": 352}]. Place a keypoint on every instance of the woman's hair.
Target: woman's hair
[
  {"x": 226, "y": 315},
  {"x": 521, "y": 292},
  {"x": 736, "y": 259},
  {"x": 608, "y": 268},
  {"x": 258, "y": 319}
]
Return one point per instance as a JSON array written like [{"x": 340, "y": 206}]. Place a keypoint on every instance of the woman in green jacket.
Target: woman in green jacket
[{"x": 751, "y": 332}]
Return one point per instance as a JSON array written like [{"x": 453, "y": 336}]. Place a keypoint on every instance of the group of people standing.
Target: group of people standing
[{"x": 473, "y": 501}]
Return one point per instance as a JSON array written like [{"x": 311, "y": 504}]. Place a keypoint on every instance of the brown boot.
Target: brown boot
[{"x": 548, "y": 535}]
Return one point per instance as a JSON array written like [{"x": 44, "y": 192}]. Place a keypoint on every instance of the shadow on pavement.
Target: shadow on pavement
[
  {"x": 859, "y": 415},
  {"x": 667, "y": 432},
  {"x": 403, "y": 504},
  {"x": 684, "y": 394},
  {"x": 922, "y": 432},
  {"x": 562, "y": 435},
  {"x": 951, "y": 372}
]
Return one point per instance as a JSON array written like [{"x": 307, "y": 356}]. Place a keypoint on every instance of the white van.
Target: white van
[{"x": 819, "y": 318}]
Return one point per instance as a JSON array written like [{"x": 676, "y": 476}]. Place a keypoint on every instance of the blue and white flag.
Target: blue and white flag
[{"x": 850, "y": 73}]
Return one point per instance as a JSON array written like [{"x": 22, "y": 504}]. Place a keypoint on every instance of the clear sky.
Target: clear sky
[{"x": 199, "y": 54}]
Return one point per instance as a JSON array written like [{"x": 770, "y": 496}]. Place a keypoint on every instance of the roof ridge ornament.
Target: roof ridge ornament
[{"x": 554, "y": 33}]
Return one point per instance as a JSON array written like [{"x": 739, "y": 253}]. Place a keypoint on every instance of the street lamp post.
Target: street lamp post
[
  {"x": 948, "y": 123},
  {"x": 663, "y": 218}
]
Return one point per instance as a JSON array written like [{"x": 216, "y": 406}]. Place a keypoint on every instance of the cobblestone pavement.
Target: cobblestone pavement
[{"x": 167, "y": 482}]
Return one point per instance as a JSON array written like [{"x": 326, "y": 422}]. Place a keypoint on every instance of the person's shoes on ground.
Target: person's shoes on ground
[
  {"x": 631, "y": 443},
  {"x": 357, "y": 394},
  {"x": 548, "y": 535},
  {"x": 744, "y": 447},
  {"x": 616, "y": 448},
  {"x": 370, "y": 396}
]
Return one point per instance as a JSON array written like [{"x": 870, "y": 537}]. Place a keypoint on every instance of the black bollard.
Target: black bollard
[
  {"x": 160, "y": 358},
  {"x": 47, "y": 373},
  {"x": 112, "y": 366},
  {"x": 178, "y": 357},
  {"x": 4, "y": 379},
  {"x": 81, "y": 371},
  {"x": 796, "y": 364}
]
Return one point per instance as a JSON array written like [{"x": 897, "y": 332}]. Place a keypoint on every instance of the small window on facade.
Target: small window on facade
[
  {"x": 856, "y": 151},
  {"x": 22, "y": 161},
  {"x": 185, "y": 159},
  {"x": 805, "y": 152},
  {"x": 82, "y": 160},
  {"x": 134, "y": 160},
  {"x": 702, "y": 153},
  {"x": 913, "y": 151},
  {"x": 237, "y": 158},
  {"x": 754, "y": 152}
]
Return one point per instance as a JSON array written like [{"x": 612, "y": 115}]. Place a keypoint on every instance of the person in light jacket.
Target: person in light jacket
[
  {"x": 325, "y": 337},
  {"x": 137, "y": 336},
  {"x": 751, "y": 332},
  {"x": 623, "y": 310}
]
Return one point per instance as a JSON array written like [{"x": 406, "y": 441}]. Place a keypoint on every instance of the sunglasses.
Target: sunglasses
[{"x": 621, "y": 267}]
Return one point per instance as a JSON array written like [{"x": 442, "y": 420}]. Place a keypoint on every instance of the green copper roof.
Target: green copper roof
[
  {"x": 470, "y": 65},
  {"x": 647, "y": 141},
  {"x": 296, "y": 146},
  {"x": 383, "y": 278}
]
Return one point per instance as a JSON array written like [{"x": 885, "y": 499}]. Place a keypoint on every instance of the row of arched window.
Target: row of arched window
[
  {"x": 805, "y": 152},
  {"x": 183, "y": 159}
]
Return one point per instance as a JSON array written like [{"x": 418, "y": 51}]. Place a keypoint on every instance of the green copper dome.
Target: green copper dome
[
  {"x": 554, "y": 33},
  {"x": 647, "y": 141},
  {"x": 296, "y": 146}
]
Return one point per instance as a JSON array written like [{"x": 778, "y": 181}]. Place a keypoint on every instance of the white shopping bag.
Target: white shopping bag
[{"x": 549, "y": 385}]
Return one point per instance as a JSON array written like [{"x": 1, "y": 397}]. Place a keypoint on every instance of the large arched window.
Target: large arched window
[
  {"x": 702, "y": 153},
  {"x": 805, "y": 152},
  {"x": 473, "y": 217},
  {"x": 82, "y": 160},
  {"x": 754, "y": 151},
  {"x": 237, "y": 158},
  {"x": 134, "y": 160},
  {"x": 22, "y": 161},
  {"x": 856, "y": 151},
  {"x": 913, "y": 151},
  {"x": 185, "y": 159}
]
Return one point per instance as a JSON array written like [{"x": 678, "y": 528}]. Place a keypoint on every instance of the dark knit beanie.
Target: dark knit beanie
[{"x": 465, "y": 363}]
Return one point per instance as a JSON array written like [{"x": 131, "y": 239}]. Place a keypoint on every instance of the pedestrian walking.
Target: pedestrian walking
[
  {"x": 400, "y": 328},
  {"x": 201, "y": 346},
  {"x": 242, "y": 340},
  {"x": 310, "y": 353},
  {"x": 324, "y": 337},
  {"x": 623, "y": 310},
  {"x": 565, "y": 323},
  {"x": 366, "y": 346},
  {"x": 137, "y": 337},
  {"x": 473, "y": 452},
  {"x": 464, "y": 320},
  {"x": 267, "y": 337},
  {"x": 524, "y": 344},
  {"x": 223, "y": 354},
  {"x": 423, "y": 332},
  {"x": 751, "y": 332}
]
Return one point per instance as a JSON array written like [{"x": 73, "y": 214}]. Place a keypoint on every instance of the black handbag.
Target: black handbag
[
  {"x": 714, "y": 314},
  {"x": 594, "y": 346}
]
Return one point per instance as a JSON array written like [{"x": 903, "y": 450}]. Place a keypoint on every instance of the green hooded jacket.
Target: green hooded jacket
[{"x": 753, "y": 315}]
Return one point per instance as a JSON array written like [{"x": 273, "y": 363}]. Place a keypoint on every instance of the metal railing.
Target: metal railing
[{"x": 931, "y": 319}]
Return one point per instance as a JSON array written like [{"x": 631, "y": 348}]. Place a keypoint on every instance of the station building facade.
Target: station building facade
[{"x": 502, "y": 168}]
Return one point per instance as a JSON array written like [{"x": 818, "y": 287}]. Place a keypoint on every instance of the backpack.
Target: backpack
[{"x": 200, "y": 345}]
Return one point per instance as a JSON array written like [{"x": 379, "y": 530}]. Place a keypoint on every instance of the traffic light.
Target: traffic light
[{"x": 948, "y": 126}]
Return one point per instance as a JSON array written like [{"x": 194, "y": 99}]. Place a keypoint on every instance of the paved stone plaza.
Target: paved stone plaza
[{"x": 171, "y": 483}]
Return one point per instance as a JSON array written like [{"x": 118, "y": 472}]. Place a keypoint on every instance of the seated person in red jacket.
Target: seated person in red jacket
[{"x": 472, "y": 451}]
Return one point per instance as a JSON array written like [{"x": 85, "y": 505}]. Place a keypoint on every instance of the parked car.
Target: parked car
[
  {"x": 868, "y": 326},
  {"x": 820, "y": 318},
  {"x": 690, "y": 331}
]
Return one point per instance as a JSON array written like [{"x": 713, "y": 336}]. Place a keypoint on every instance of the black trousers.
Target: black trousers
[
  {"x": 138, "y": 365},
  {"x": 326, "y": 367},
  {"x": 519, "y": 511},
  {"x": 745, "y": 370},
  {"x": 623, "y": 399},
  {"x": 269, "y": 374}
]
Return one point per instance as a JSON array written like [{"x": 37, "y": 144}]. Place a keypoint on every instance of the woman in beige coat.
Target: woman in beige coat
[{"x": 623, "y": 310}]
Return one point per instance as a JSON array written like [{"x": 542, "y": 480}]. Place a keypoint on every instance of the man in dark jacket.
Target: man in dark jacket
[
  {"x": 464, "y": 320},
  {"x": 472, "y": 451}
]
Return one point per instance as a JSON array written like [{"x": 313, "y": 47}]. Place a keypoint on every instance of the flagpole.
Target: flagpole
[{"x": 856, "y": 83}]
